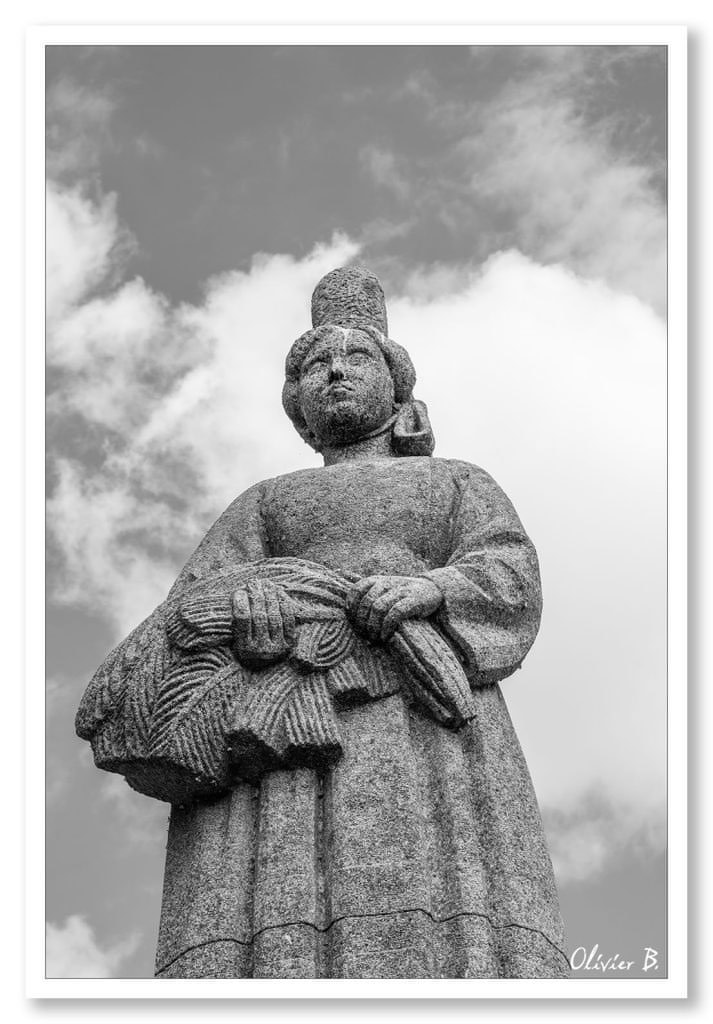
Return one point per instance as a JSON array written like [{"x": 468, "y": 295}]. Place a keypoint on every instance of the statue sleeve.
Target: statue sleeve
[
  {"x": 120, "y": 712},
  {"x": 235, "y": 538},
  {"x": 492, "y": 600}
]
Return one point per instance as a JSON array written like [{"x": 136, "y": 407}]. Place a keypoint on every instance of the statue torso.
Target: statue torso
[{"x": 383, "y": 516}]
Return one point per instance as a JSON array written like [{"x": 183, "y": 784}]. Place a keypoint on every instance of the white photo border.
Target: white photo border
[{"x": 674, "y": 986}]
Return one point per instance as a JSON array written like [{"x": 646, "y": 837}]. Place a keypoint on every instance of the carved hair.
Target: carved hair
[{"x": 412, "y": 433}]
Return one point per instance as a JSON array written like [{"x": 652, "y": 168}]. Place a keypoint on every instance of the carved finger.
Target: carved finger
[
  {"x": 361, "y": 613},
  {"x": 287, "y": 612},
  {"x": 241, "y": 614},
  {"x": 258, "y": 616},
  {"x": 242, "y": 624},
  {"x": 358, "y": 591},
  {"x": 396, "y": 614},
  {"x": 273, "y": 617},
  {"x": 379, "y": 607}
]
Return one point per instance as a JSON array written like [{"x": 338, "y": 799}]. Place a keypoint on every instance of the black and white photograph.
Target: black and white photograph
[{"x": 357, "y": 599}]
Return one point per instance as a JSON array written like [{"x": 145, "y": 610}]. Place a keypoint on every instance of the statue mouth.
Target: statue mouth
[{"x": 340, "y": 390}]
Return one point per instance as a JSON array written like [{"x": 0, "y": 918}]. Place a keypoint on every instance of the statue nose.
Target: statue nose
[{"x": 337, "y": 370}]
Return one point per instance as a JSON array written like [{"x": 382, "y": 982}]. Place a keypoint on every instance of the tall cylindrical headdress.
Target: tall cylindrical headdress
[{"x": 350, "y": 297}]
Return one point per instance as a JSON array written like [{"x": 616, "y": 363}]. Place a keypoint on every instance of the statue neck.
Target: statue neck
[{"x": 375, "y": 445}]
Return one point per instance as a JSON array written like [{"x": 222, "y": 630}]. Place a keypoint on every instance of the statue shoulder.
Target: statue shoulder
[
  {"x": 235, "y": 537},
  {"x": 464, "y": 473},
  {"x": 247, "y": 500},
  {"x": 476, "y": 489}
]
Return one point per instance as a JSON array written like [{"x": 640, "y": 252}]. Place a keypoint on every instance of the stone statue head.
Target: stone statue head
[{"x": 345, "y": 379}]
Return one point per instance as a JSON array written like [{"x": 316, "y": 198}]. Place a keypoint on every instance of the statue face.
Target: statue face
[{"x": 345, "y": 388}]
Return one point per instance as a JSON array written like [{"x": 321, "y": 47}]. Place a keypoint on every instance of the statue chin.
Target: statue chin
[{"x": 346, "y": 424}]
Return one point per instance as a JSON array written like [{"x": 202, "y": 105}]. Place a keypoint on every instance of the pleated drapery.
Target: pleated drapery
[{"x": 419, "y": 855}]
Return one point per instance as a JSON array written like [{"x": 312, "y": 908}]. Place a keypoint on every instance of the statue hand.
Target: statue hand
[
  {"x": 379, "y": 604},
  {"x": 263, "y": 622}
]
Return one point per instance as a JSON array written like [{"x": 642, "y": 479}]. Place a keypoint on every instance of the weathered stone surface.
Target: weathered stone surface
[
  {"x": 350, "y": 297},
  {"x": 419, "y": 855},
  {"x": 318, "y": 698}
]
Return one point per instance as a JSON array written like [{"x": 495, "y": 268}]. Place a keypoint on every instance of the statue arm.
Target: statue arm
[
  {"x": 198, "y": 606},
  {"x": 235, "y": 538},
  {"x": 491, "y": 594}
]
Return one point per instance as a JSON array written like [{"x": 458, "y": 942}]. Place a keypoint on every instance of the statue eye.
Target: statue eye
[{"x": 316, "y": 363}]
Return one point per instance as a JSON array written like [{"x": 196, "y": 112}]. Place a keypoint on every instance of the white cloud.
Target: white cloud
[
  {"x": 84, "y": 244},
  {"x": 584, "y": 838},
  {"x": 114, "y": 349},
  {"x": 436, "y": 281},
  {"x": 574, "y": 200},
  {"x": 143, "y": 822},
  {"x": 73, "y": 951},
  {"x": 533, "y": 163},
  {"x": 383, "y": 167},
  {"x": 107, "y": 534},
  {"x": 78, "y": 126},
  {"x": 575, "y": 195}
]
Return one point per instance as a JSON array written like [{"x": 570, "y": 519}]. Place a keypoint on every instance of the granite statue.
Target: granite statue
[{"x": 318, "y": 699}]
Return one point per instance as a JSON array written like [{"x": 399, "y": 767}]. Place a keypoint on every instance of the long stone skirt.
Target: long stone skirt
[{"x": 420, "y": 855}]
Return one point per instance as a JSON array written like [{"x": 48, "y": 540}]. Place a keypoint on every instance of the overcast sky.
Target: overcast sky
[{"x": 512, "y": 200}]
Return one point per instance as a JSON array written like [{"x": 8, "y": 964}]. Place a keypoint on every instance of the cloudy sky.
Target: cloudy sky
[{"x": 512, "y": 200}]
